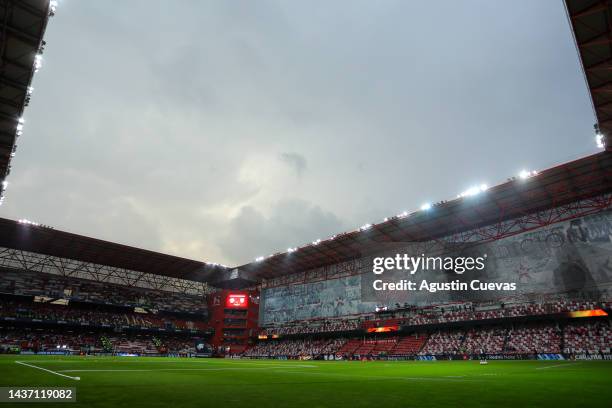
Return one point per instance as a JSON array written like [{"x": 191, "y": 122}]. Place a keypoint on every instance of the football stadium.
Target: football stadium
[{"x": 500, "y": 296}]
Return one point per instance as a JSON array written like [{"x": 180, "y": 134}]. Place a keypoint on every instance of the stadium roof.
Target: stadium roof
[
  {"x": 49, "y": 241},
  {"x": 22, "y": 26},
  {"x": 570, "y": 182},
  {"x": 591, "y": 21}
]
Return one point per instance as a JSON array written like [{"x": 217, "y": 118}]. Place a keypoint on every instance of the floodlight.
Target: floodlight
[{"x": 599, "y": 140}]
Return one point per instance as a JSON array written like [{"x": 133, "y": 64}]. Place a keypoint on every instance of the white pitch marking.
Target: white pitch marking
[
  {"x": 557, "y": 365},
  {"x": 49, "y": 371}
]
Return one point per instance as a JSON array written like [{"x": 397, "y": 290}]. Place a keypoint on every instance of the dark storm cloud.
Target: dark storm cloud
[
  {"x": 252, "y": 234},
  {"x": 181, "y": 126}
]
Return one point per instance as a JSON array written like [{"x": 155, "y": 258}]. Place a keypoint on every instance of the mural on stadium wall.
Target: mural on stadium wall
[
  {"x": 572, "y": 257},
  {"x": 329, "y": 298}
]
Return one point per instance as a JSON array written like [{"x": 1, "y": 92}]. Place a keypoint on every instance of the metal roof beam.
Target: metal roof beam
[
  {"x": 595, "y": 8},
  {"x": 24, "y": 37},
  {"x": 603, "y": 39},
  {"x": 14, "y": 84},
  {"x": 36, "y": 12}
]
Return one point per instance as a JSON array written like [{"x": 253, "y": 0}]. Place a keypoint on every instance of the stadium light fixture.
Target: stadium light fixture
[
  {"x": 599, "y": 140},
  {"x": 365, "y": 227},
  {"x": 402, "y": 214},
  {"x": 290, "y": 250},
  {"x": 316, "y": 242},
  {"x": 472, "y": 191},
  {"x": 37, "y": 62},
  {"x": 259, "y": 259},
  {"x": 426, "y": 206},
  {"x": 524, "y": 174}
]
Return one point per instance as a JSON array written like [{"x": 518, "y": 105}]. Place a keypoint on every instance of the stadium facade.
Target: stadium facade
[{"x": 549, "y": 233}]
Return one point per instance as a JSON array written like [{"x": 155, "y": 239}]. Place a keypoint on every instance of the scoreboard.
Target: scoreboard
[{"x": 236, "y": 301}]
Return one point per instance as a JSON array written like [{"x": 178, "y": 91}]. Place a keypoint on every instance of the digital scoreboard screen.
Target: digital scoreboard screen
[{"x": 236, "y": 301}]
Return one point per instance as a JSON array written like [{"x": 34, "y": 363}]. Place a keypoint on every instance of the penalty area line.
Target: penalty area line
[{"x": 47, "y": 370}]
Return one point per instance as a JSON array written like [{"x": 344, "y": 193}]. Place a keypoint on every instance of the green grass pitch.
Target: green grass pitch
[{"x": 173, "y": 382}]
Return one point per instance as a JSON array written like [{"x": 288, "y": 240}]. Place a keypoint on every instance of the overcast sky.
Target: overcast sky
[{"x": 224, "y": 130}]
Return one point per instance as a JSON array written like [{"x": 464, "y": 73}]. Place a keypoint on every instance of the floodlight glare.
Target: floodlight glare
[
  {"x": 599, "y": 140},
  {"x": 37, "y": 62},
  {"x": 524, "y": 174},
  {"x": 472, "y": 191}
]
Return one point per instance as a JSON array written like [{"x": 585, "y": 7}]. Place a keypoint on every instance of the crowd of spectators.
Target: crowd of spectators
[
  {"x": 298, "y": 349},
  {"x": 443, "y": 342},
  {"x": 526, "y": 339},
  {"x": 587, "y": 338},
  {"x": 520, "y": 339},
  {"x": 481, "y": 341},
  {"x": 93, "y": 316},
  {"x": 61, "y": 341},
  {"x": 534, "y": 339},
  {"x": 313, "y": 326},
  {"x": 470, "y": 312},
  {"x": 83, "y": 290}
]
